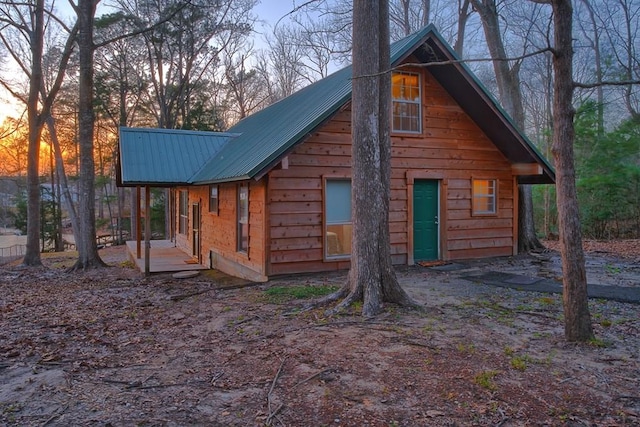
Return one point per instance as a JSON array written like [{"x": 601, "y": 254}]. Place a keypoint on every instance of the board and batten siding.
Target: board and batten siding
[{"x": 450, "y": 148}]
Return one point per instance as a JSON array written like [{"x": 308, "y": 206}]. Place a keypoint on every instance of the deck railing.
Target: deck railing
[{"x": 12, "y": 253}]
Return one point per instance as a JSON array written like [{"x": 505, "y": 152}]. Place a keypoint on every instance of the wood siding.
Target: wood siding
[
  {"x": 451, "y": 148},
  {"x": 219, "y": 232}
]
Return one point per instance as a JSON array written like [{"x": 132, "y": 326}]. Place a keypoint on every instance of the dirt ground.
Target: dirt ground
[{"x": 112, "y": 348}]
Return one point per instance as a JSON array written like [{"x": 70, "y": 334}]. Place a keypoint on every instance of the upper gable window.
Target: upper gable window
[{"x": 405, "y": 92}]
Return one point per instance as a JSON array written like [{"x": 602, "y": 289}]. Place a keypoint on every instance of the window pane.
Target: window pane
[
  {"x": 244, "y": 237},
  {"x": 183, "y": 205},
  {"x": 338, "y": 239},
  {"x": 406, "y": 106},
  {"x": 338, "y": 203},
  {"x": 405, "y": 86},
  {"x": 243, "y": 207},
  {"x": 484, "y": 196},
  {"x": 213, "y": 199},
  {"x": 243, "y": 219}
]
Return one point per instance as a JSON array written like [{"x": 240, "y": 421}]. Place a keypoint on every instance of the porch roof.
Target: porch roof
[{"x": 165, "y": 157}]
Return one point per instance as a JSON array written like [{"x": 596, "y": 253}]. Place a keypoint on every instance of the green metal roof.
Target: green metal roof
[
  {"x": 269, "y": 134},
  {"x": 166, "y": 156},
  {"x": 259, "y": 141}
]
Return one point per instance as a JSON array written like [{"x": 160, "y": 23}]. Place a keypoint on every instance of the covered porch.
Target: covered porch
[{"x": 164, "y": 256}]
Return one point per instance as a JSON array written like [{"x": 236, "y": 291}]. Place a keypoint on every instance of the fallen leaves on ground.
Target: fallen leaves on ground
[{"x": 111, "y": 347}]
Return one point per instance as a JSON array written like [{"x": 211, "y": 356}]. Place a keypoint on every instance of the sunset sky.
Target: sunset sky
[{"x": 268, "y": 12}]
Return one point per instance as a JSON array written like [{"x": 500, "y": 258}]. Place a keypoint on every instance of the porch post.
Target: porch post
[
  {"x": 147, "y": 230},
  {"x": 137, "y": 225}
]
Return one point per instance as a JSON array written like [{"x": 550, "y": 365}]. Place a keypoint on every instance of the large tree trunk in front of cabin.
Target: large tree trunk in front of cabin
[
  {"x": 577, "y": 320},
  {"x": 372, "y": 278},
  {"x": 508, "y": 79},
  {"x": 88, "y": 256}
]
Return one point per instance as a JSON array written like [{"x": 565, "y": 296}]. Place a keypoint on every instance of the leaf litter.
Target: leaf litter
[{"x": 111, "y": 347}]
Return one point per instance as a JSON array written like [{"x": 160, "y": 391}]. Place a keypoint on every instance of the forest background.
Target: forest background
[{"x": 202, "y": 65}]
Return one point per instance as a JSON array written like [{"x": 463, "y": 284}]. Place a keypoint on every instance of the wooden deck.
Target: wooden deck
[{"x": 165, "y": 257}]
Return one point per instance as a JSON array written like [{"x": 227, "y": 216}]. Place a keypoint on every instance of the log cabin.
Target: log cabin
[{"x": 272, "y": 195}]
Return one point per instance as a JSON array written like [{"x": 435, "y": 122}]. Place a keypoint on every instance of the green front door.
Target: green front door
[{"x": 425, "y": 220}]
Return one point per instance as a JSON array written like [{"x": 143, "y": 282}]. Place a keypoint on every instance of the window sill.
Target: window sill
[
  {"x": 406, "y": 133},
  {"x": 484, "y": 214},
  {"x": 337, "y": 258}
]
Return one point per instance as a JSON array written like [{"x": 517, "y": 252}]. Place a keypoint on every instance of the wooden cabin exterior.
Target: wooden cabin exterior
[{"x": 454, "y": 181}]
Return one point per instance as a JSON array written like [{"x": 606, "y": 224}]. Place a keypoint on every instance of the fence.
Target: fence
[{"x": 11, "y": 253}]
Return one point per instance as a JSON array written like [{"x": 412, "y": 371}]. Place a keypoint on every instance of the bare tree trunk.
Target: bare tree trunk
[
  {"x": 62, "y": 177},
  {"x": 426, "y": 12},
  {"x": 32, "y": 252},
  {"x": 88, "y": 256},
  {"x": 595, "y": 44},
  {"x": 508, "y": 78},
  {"x": 371, "y": 278},
  {"x": 58, "y": 245},
  {"x": 463, "y": 16},
  {"x": 631, "y": 62},
  {"x": 527, "y": 237},
  {"x": 577, "y": 320},
  {"x": 405, "y": 15}
]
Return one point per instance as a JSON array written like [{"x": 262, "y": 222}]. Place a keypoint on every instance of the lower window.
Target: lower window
[
  {"x": 484, "y": 196},
  {"x": 337, "y": 211},
  {"x": 213, "y": 199},
  {"x": 183, "y": 206},
  {"x": 243, "y": 218}
]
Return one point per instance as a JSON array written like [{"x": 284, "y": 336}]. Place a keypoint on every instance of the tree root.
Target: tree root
[
  {"x": 86, "y": 266},
  {"x": 326, "y": 300},
  {"x": 349, "y": 297}
]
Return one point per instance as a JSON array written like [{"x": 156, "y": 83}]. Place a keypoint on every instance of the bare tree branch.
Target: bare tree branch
[
  {"x": 458, "y": 61},
  {"x": 62, "y": 67},
  {"x": 146, "y": 29},
  {"x": 13, "y": 93},
  {"x": 606, "y": 83}
]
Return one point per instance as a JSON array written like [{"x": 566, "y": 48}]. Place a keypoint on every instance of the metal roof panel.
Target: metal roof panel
[{"x": 166, "y": 156}]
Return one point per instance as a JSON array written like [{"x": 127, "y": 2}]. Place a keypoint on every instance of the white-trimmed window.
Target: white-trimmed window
[
  {"x": 213, "y": 199},
  {"x": 183, "y": 213},
  {"x": 243, "y": 218},
  {"x": 405, "y": 93},
  {"x": 484, "y": 196},
  {"x": 337, "y": 214}
]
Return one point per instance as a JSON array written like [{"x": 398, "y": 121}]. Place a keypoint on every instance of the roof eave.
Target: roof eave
[
  {"x": 156, "y": 184},
  {"x": 221, "y": 180}
]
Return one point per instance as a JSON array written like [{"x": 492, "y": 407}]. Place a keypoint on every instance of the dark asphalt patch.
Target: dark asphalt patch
[{"x": 537, "y": 284}]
